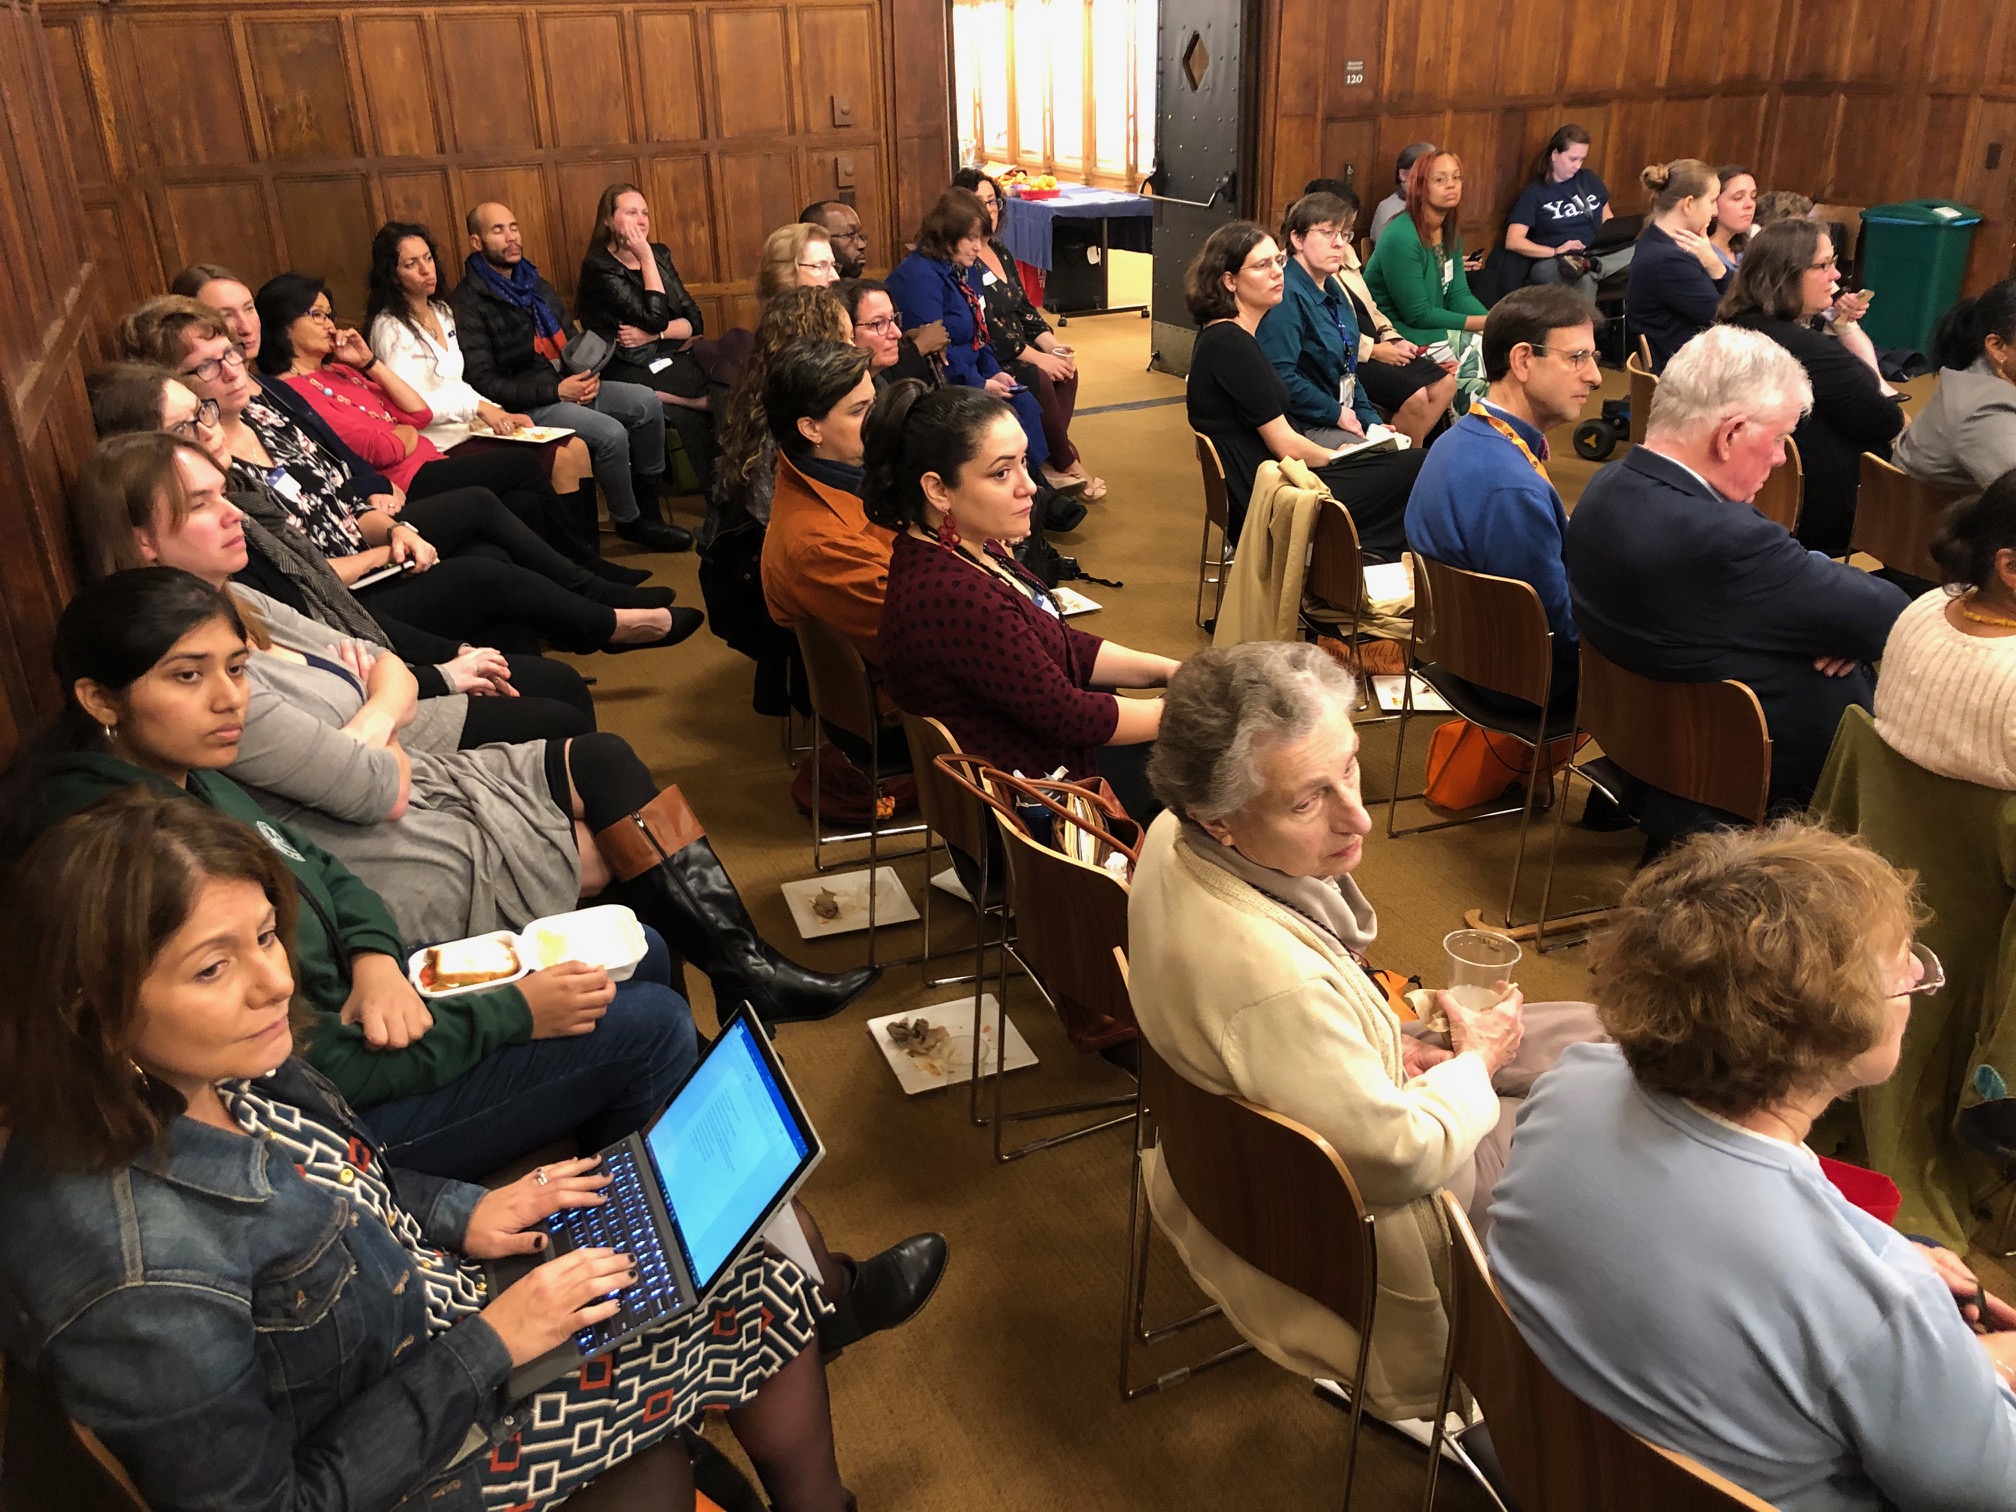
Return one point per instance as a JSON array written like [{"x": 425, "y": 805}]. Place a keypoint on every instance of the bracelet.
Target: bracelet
[{"x": 369, "y": 365}]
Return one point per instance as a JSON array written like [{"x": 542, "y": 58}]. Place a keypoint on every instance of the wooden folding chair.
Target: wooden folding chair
[
  {"x": 1784, "y": 491},
  {"x": 1705, "y": 742},
  {"x": 1068, "y": 918},
  {"x": 1557, "y": 1453},
  {"x": 1473, "y": 631},
  {"x": 1897, "y": 516},
  {"x": 1272, "y": 1192},
  {"x": 1644, "y": 383},
  {"x": 843, "y": 696},
  {"x": 1216, "y": 513}
]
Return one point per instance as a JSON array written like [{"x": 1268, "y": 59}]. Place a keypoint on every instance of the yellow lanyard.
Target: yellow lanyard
[{"x": 1511, "y": 435}]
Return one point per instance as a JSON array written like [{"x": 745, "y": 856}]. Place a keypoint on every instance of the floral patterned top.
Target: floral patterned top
[{"x": 322, "y": 496}]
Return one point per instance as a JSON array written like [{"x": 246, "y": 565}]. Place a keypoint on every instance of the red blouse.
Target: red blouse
[
  {"x": 1008, "y": 678},
  {"x": 363, "y": 414}
]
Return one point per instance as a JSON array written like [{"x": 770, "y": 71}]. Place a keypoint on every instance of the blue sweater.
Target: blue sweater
[
  {"x": 923, "y": 289},
  {"x": 1479, "y": 505},
  {"x": 1710, "y": 1289},
  {"x": 1311, "y": 337}
]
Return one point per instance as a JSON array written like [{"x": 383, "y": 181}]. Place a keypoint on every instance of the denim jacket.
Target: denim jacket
[{"x": 243, "y": 1340}]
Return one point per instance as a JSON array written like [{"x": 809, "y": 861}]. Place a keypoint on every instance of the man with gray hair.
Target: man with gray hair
[{"x": 1675, "y": 576}]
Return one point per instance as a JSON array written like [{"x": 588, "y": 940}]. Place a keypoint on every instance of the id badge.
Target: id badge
[
  {"x": 661, "y": 364},
  {"x": 284, "y": 483}
]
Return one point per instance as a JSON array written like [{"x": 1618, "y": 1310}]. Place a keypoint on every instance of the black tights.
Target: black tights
[
  {"x": 512, "y": 471},
  {"x": 612, "y": 781},
  {"x": 492, "y": 603},
  {"x": 515, "y": 721},
  {"x": 464, "y": 521}
]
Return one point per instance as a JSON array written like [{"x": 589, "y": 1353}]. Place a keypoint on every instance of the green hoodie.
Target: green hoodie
[{"x": 340, "y": 919}]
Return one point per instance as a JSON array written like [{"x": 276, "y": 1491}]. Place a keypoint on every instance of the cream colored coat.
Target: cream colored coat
[
  {"x": 1263, "y": 593},
  {"x": 1243, "y": 995}
]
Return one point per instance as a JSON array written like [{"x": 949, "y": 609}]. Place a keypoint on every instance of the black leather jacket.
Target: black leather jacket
[{"x": 613, "y": 295}]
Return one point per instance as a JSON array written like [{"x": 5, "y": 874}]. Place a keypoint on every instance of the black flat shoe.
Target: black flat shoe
[
  {"x": 625, "y": 596},
  {"x": 889, "y": 1289},
  {"x": 616, "y": 572},
  {"x": 655, "y": 535},
  {"x": 684, "y": 623}
]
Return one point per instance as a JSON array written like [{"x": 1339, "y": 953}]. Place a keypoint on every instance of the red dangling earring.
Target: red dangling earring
[{"x": 948, "y": 533}]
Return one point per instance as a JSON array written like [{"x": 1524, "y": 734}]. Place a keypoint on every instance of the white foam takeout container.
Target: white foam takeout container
[
  {"x": 607, "y": 935},
  {"x": 418, "y": 959}
]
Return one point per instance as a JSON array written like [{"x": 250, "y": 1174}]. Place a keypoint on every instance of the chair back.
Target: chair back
[
  {"x": 1645, "y": 353},
  {"x": 1558, "y": 1454},
  {"x": 1069, "y": 916},
  {"x": 954, "y": 814},
  {"x": 1644, "y": 384},
  {"x": 1215, "y": 509},
  {"x": 1491, "y": 631},
  {"x": 1705, "y": 742},
  {"x": 49, "y": 1460},
  {"x": 1897, "y": 515},
  {"x": 1784, "y": 491},
  {"x": 843, "y": 691},
  {"x": 1265, "y": 1187},
  {"x": 1336, "y": 567}
]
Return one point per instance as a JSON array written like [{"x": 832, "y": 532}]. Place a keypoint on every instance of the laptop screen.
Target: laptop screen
[{"x": 726, "y": 1146}]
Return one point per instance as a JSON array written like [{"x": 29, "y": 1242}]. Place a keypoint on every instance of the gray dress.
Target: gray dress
[
  {"x": 1965, "y": 433},
  {"x": 481, "y": 845}
]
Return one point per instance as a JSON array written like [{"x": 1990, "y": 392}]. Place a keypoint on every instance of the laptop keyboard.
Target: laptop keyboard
[{"x": 623, "y": 1223}]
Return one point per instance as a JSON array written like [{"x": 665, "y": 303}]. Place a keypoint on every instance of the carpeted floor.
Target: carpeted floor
[{"x": 1001, "y": 1396}]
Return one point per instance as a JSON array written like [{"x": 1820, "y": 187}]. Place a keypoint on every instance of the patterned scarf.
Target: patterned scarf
[
  {"x": 520, "y": 287},
  {"x": 981, "y": 339}
]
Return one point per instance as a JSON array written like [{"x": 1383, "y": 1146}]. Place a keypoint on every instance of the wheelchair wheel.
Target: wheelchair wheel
[{"x": 1595, "y": 440}]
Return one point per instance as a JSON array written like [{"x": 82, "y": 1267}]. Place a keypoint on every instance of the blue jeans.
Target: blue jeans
[
  {"x": 595, "y": 1087},
  {"x": 625, "y": 433}
]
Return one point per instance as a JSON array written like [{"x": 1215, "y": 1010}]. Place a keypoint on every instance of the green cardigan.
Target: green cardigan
[
  {"x": 340, "y": 919},
  {"x": 1958, "y": 1065},
  {"x": 1406, "y": 283}
]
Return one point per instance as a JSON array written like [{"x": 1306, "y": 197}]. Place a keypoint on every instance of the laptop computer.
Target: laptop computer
[{"x": 686, "y": 1195}]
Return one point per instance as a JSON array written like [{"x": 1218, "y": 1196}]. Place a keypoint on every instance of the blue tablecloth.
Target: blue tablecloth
[{"x": 1130, "y": 218}]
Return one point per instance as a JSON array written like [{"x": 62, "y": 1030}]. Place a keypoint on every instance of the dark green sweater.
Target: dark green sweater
[{"x": 340, "y": 919}]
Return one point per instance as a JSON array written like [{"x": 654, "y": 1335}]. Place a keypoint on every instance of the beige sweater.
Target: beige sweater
[
  {"x": 1947, "y": 699},
  {"x": 1242, "y": 995},
  {"x": 1263, "y": 588}
]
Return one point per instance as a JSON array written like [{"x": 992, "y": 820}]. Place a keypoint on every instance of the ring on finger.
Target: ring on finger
[{"x": 539, "y": 1175}]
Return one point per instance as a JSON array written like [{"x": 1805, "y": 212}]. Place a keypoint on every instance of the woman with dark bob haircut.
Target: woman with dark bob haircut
[
  {"x": 968, "y": 636},
  {"x": 1676, "y": 1254},
  {"x": 1786, "y": 280},
  {"x": 1946, "y": 698},
  {"x": 211, "y": 1255},
  {"x": 1964, "y": 435},
  {"x": 940, "y": 281},
  {"x": 1237, "y": 399}
]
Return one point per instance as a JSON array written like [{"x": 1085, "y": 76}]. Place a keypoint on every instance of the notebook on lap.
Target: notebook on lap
[{"x": 686, "y": 1195}]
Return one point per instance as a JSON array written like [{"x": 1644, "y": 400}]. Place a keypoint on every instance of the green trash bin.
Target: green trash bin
[{"x": 1913, "y": 256}]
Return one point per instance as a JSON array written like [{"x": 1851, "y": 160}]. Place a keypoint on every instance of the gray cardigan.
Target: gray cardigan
[
  {"x": 481, "y": 846},
  {"x": 1965, "y": 437}
]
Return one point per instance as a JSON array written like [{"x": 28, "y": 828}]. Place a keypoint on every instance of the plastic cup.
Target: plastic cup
[{"x": 1479, "y": 959}]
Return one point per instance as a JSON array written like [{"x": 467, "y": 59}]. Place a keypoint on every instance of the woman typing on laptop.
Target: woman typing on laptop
[{"x": 203, "y": 1246}]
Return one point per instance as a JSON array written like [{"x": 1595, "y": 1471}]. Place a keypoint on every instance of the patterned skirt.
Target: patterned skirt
[{"x": 757, "y": 1319}]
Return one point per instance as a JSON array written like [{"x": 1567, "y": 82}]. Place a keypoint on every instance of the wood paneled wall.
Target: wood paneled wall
[
  {"x": 46, "y": 297},
  {"x": 1851, "y": 101},
  {"x": 282, "y": 133}
]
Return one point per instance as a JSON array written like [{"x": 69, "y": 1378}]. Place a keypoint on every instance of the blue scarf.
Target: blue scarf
[{"x": 520, "y": 287}]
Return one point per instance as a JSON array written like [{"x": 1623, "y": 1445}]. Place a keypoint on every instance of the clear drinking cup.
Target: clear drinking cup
[{"x": 1479, "y": 960}]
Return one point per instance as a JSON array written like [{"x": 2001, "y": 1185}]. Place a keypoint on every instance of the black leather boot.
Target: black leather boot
[
  {"x": 885, "y": 1290},
  {"x": 649, "y": 529},
  {"x": 679, "y": 887}
]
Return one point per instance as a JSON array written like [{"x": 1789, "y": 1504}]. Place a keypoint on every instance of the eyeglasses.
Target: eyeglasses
[
  {"x": 207, "y": 371},
  {"x": 1585, "y": 357},
  {"x": 206, "y": 414},
  {"x": 1268, "y": 264},
  {"x": 326, "y": 317},
  {"x": 1828, "y": 266},
  {"x": 1932, "y": 975},
  {"x": 818, "y": 267},
  {"x": 880, "y": 327}
]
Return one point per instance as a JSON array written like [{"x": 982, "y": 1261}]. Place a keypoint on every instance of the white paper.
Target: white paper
[
  {"x": 1070, "y": 602},
  {"x": 953, "y": 1063},
  {"x": 1387, "y": 582},
  {"x": 1387, "y": 691}
]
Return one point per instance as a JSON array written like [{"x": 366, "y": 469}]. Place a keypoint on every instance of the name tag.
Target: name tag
[
  {"x": 987, "y": 278},
  {"x": 661, "y": 364},
  {"x": 283, "y": 483}
]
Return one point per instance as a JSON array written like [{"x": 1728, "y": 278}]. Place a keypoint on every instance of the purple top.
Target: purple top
[{"x": 1007, "y": 677}]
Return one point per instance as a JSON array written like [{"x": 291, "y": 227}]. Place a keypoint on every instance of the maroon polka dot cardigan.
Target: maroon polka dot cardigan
[{"x": 1007, "y": 678}]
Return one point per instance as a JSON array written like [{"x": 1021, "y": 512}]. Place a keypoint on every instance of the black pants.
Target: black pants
[
  {"x": 515, "y": 721},
  {"x": 491, "y": 603},
  {"x": 472, "y": 521},
  {"x": 1374, "y": 490},
  {"x": 513, "y": 473}
]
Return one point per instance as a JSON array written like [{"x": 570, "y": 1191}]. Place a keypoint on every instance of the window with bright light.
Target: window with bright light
[{"x": 1058, "y": 86}]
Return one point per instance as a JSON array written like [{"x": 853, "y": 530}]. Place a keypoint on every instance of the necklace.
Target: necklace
[{"x": 1978, "y": 616}]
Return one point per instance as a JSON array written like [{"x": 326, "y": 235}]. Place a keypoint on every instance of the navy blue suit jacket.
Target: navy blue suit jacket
[
  {"x": 1669, "y": 299},
  {"x": 1673, "y": 583}
]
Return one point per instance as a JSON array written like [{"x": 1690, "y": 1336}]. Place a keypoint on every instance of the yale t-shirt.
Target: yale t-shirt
[{"x": 1559, "y": 212}]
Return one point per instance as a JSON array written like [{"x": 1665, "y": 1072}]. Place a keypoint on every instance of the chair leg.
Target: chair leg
[
  {"x": 1203, "y": 561},
  {"x": 818, "y": 817},
  {"x": 1526, "y": 813},
  {"x": 1441, "y": 1414},
  {"x": 980, "y": 985},
  {"x": 924, "y": 960},
  {"x": 1399, "y": 755},
  {"x": 874, "y": 837},
  {"x": 1002, "y": 1119},
  {"x": 1358, "y": 1400}
]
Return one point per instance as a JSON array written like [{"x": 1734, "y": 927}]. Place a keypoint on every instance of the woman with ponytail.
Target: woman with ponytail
[
  {"x": 1947, "y": 696},
  {"x": 968, "y": 636},
  {"x": 1677, "y": 276},
  {"x": 1965, "y": 437}
]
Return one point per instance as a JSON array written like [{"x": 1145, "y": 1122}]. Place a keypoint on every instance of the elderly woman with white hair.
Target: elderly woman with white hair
[
  {"x": 1675, "y": 576},
  {"x": 1246, "y": 940}
]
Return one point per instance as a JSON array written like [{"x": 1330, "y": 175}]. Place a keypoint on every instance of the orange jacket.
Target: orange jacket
[{"x": 822, "y": 558}]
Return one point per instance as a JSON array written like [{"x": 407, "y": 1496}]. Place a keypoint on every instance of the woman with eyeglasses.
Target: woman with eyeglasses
[
  {"x": 1237, "y": 399},
  {"x": 1788, "y": 280},
  {"x": 465, "y": 592},
  {"x": 879, "y": 333},
  {"x": 1676, "y": 1254},
  {"x": 798, "y": 256},
  {"x": 631, "y": 295}
]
